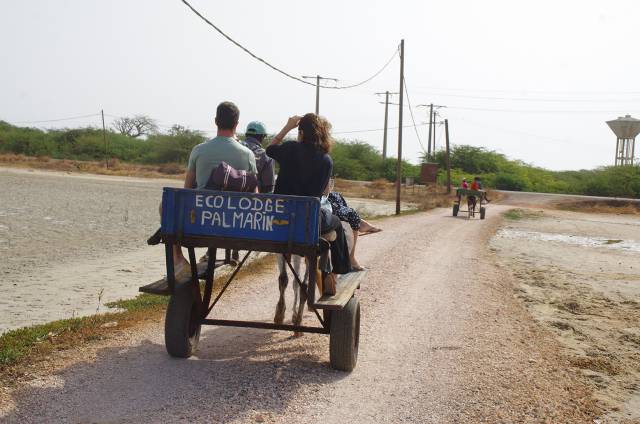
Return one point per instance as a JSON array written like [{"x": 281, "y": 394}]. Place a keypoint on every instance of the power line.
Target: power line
[
  {"x": 250, "y": 53},
  {"x": 480, "y": 109},
  {"x": 379, "y": 129},
  {"x": 576, "y": 92},
  {"x": 70, "y": 118},
  {"x": 406, "y": 90},
  {"x": 532, "y": 99}
]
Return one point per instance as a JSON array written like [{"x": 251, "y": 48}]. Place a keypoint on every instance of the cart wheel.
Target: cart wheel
[
  {"x": 345, "y": 336},
  {"x": 456, "y": 208},
  {"x": 482, "y": 212},
  {"x": 182, "y": 326}
]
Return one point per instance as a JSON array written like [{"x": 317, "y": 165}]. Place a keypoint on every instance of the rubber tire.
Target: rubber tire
[
  {"x": 456, "y": 208},
  {"x": 181, "y": 337},
  {"x": 482, "y": 212},
  {"x": 344, "y": 338}
]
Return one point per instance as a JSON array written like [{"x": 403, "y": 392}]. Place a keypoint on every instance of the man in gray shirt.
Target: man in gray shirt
[
  {"x": 206, "y": 157},
  {"x": 255, "y": 133}
]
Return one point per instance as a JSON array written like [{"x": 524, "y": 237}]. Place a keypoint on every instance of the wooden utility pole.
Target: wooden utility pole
[
  {"x": 435, "y": 122},
  {"x": 430, "y": 123},
  {"x": 399, "y": 164},
  {"x": 318, "y": 78},
  {"x": 386, "y": 121},
  {"x": 317, "y": 94},
  {"x": 104, "y": 138},
  {"x": 446, "y": 133}
]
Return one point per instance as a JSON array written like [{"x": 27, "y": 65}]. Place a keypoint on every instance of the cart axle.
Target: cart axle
[{"x": 265, "y": 325}]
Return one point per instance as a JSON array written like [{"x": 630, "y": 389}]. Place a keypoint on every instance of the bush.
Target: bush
[{"x": 508, "y": 182}]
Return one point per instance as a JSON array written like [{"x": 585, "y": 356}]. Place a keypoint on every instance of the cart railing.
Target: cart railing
[{"x": 271, "y": 218}]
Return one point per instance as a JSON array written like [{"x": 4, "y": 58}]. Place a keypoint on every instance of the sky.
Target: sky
[{"x": 535, "y": 80}]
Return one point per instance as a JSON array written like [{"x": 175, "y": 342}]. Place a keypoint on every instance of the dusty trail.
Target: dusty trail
[
  {"x": 443, "y": 340},
  {"x": 71, "y": 243}
]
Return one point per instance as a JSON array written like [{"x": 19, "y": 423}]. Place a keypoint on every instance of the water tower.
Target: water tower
[{"x": 626, "y": 129}]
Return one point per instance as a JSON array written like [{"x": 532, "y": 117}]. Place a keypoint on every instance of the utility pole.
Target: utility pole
[
  {"x": 386, "y": 120},
  {"x": 318, "y": 78},
  {"x": 435, "y": 122},
  {"x": 104, "y": 138},
  {"x": 446, "y": 132},
  {"x": 433, "y": 112},
  {"x": 399, "y": 164},
  {"x": 430, "y": 123}
]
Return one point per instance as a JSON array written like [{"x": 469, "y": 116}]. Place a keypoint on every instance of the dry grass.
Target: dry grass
[
  {"x": 601, "y": 206},
  {"x": 115, "y": 167},
  {"x": 25, "y": 348}
]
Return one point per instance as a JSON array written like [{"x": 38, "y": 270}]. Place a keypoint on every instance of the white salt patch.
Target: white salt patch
[{"x": 598, "y": 242}]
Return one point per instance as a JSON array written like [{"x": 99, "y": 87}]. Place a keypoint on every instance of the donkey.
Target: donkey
[{"x": 299, "y": 295}]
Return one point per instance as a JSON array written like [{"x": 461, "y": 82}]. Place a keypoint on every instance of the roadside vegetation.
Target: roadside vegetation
[
  {"x": 499, "y": 172},
  {"x": 25, "y": 344},
  {"x": 135, "y": 146},
  {"x": 601, "y": 206},
  {"x": 163, "y": 153}
]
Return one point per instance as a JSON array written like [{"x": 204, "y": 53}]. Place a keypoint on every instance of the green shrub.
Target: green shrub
[{"x": 508, "y": 182}]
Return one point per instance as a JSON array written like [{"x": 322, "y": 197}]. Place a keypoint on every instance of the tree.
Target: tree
[{"x": 135, "y": 127}]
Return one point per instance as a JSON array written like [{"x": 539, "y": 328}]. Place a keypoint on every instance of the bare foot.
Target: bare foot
[{"x": 355, "y": 265}]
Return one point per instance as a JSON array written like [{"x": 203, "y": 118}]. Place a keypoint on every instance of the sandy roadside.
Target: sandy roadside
[
  {"x": 72, "y": 242},
  {"x": 579, "y": 276},
  {"x": 443, "y": 340}
]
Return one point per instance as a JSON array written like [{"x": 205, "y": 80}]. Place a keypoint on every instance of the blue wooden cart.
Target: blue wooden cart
[{"x": 250, "y": 222}]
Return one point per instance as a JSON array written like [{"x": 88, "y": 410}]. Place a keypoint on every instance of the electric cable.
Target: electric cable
[
  {"x": 406, "y": 90},
  {"x": 275, "y": 68},
  {"x": 70, "y": 118},
  {"x": 531, "y": 99},
  {"x": 378, "y": 129}
]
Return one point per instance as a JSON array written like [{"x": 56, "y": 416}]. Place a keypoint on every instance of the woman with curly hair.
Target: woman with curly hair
[{"x": 305, "y": 169}]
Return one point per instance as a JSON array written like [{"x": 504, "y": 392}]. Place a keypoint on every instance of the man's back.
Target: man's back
[
  {"x": 205, "y": 157},
  {"x": 265, "y": 165}
]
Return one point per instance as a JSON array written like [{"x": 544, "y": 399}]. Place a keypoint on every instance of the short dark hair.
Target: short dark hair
[
  {"x": 227, "y": 116},
  {"x": 258, "y": 137}
]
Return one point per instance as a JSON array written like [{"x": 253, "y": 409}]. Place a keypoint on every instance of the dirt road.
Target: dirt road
[
  {"x": 443, "y": 340},
  {"x": 70, "y": 243}
]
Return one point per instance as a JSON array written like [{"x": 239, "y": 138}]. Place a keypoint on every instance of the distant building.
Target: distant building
[{"x": 626, "y": 129}]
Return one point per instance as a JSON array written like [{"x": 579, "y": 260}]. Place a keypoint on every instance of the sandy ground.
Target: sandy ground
[
  {"x": 579, "y": 276},
  {"x": 443, "y": 340},
  {"x": 71, "y": 242}
]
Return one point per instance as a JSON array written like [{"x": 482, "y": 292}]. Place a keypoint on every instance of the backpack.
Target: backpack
[{"x": 226, "y": 178}]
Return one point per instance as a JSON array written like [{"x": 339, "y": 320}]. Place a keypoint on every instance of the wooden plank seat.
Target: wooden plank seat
[
  {"x": 346, "y": 285},
  {"x": 161, "y": 286}
]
